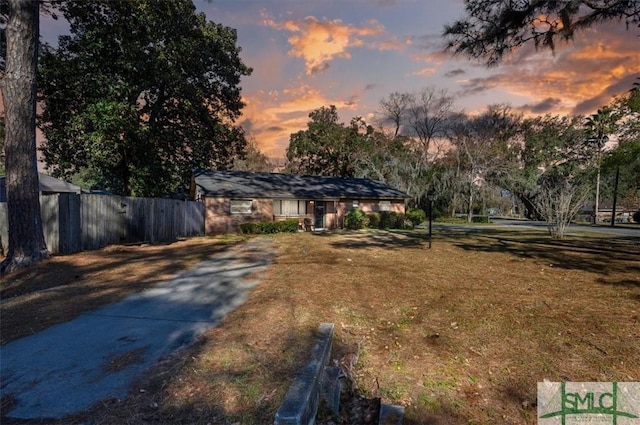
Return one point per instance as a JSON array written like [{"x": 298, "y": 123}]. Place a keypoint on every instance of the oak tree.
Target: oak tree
[
  {"x": 139, "y": 94},
  {"x": 552, "y": 173},
  {"x": 327, "y": 147}
]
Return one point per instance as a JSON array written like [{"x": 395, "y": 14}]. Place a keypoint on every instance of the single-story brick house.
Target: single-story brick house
[{"x": 234, "y": 197}]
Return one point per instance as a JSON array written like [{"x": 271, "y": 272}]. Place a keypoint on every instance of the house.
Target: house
[
  {"x": 235, "y": 197},
  {"x": 48, "y": 186},
  {"x": 624, "y": 212}
]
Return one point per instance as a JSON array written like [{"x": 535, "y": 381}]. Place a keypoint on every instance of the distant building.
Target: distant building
[{"x": 48, "y": 186}]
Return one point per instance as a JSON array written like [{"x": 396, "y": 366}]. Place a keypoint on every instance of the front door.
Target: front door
[{"x": 318, "y": 215}]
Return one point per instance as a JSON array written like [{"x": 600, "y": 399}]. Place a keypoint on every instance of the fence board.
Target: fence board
[
  {"x": 74, "y": 222},
  {"x": 4, "y": 227},
  {"x": 50, "y": 214},
  {"x": 69, "y": 222}
]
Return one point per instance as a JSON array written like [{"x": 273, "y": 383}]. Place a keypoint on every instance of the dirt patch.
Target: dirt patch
[
  {"x": 123, "y": 360},
  {"x": 457, "y": 334}
]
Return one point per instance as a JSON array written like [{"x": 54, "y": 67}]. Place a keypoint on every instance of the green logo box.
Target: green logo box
[{"x": 573, "y": 403}]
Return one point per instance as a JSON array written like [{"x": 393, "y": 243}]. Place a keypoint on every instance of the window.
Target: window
[
  {"x": 290, "y": 207},
  {"x": 384, "y": 206},
  {"x": 356, "y": 203},
  {"x": 241, "y": 206}
]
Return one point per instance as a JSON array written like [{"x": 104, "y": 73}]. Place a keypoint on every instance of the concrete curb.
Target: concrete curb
[{"x": 300, "y": 405}]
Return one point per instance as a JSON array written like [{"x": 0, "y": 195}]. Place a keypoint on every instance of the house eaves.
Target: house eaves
[{"x": 242, "y": 184}]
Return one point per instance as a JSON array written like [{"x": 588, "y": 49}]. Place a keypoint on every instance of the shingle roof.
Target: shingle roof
[
  {"x": 52, "y": 184},
  {"x": 242, "y": 184},
  {"x": 47, "y": 184}
]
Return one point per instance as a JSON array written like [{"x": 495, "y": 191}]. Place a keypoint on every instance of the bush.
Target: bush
[
  {"x": 289, "y": 226},
  {"x": 374, "y": 220},
  {"x": 355, "y": 219},
  {"x": 416, "y": 216},
  {"x": 400, "y": 222},
  {"x": 385, "y": 220},
  {"x": 391, "y": 220},
  {"x": 450, "y": 220},
  {"x": 480, "y": 219},
  {"x": 246, "y": 228},
  {"x": 269, "y": 227}
]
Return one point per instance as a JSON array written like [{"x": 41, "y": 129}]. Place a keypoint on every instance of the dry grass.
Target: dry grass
[{"x": 458, "y": 334}]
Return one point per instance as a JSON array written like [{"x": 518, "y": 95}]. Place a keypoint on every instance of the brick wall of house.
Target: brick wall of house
[
  {"x": 366, "y": 205},
  {"x": 218, "y": 217}
]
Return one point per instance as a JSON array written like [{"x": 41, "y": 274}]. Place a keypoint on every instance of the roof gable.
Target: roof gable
[
  {"x": 242, "y": 184},
  {"x": 52, "y": 184},
  {"x": 47, "y": 184}
]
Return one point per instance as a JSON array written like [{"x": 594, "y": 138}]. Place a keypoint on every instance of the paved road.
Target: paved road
[
  {"x": 614, "y": 231},
  {"x": 69, "y": 367}
]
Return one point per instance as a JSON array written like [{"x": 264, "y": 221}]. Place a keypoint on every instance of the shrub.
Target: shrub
[
  {"x": 385, "y": 220},
  {"x": 392, "y": 220},
  {"x": 480, "y": 219},
  {"x": 247, "y": 228},
  {"x": 268, "y": 227},
  {"x": 400, "y": 222},
  {"x": 416, "y": 216},
  {"x": 374, "y": 220},
  {"x": 355, "y": 219},
  {"x": 289, "y": 226}
]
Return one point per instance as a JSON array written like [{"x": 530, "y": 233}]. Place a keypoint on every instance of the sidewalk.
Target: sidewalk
[{"x": 69, "y": 367}]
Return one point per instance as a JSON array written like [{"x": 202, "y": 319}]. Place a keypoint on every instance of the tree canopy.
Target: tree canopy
[
  {"x": 328, "y": 147},
  {"x": 139, "y": 94},
  {"x": 491, "y": 28}
]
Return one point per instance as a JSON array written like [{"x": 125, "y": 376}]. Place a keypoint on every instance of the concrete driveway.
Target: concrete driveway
[{"x": 69, "y": 367}]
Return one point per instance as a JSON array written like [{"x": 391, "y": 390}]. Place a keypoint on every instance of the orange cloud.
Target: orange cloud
[
  {"x": 584, "y": 75},
  {"x": 393, "y": 44},
  {"x": 271, "y": 117},
  {"x": 423, "y": 72},
  {"x": 319, "y": 42}
]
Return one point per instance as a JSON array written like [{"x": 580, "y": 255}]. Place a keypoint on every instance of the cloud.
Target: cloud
[
  {"x": 288, "y": 108},
  {"x": 604, "y": 97},
  {"x": 319, "y": 42},
  {"x": 274, "y": 128},
  {"x": 542, "y": 107},
  {"x": 423, "y": 72},
  {"x": 477, "y": 85},
  {"x": 585, "y": 75},
  {"x": 393, "y": 43},
  {"x": 455, "y": 73}
]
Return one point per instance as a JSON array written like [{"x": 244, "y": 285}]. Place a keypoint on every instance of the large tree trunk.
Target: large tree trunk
[
  {"x": 26, "y": 239},
  {"x": 531, "y": 212}
]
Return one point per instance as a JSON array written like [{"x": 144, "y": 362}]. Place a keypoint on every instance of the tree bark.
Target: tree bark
[
  {"x": 26, "y": 238},
  {"x": 615, "y": 197}
]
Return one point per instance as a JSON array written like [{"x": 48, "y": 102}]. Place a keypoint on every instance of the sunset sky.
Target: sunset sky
[{"x": 352, "y": 53}]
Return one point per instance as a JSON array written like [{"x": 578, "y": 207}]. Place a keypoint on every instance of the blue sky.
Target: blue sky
[{"x": 352, "y": 53}]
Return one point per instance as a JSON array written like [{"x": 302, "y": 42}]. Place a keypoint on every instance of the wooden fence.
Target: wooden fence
[{"x": 73, "y": 223}]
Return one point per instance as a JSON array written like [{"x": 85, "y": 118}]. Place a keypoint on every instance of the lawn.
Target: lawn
[{"x": 458, "y": 334}]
